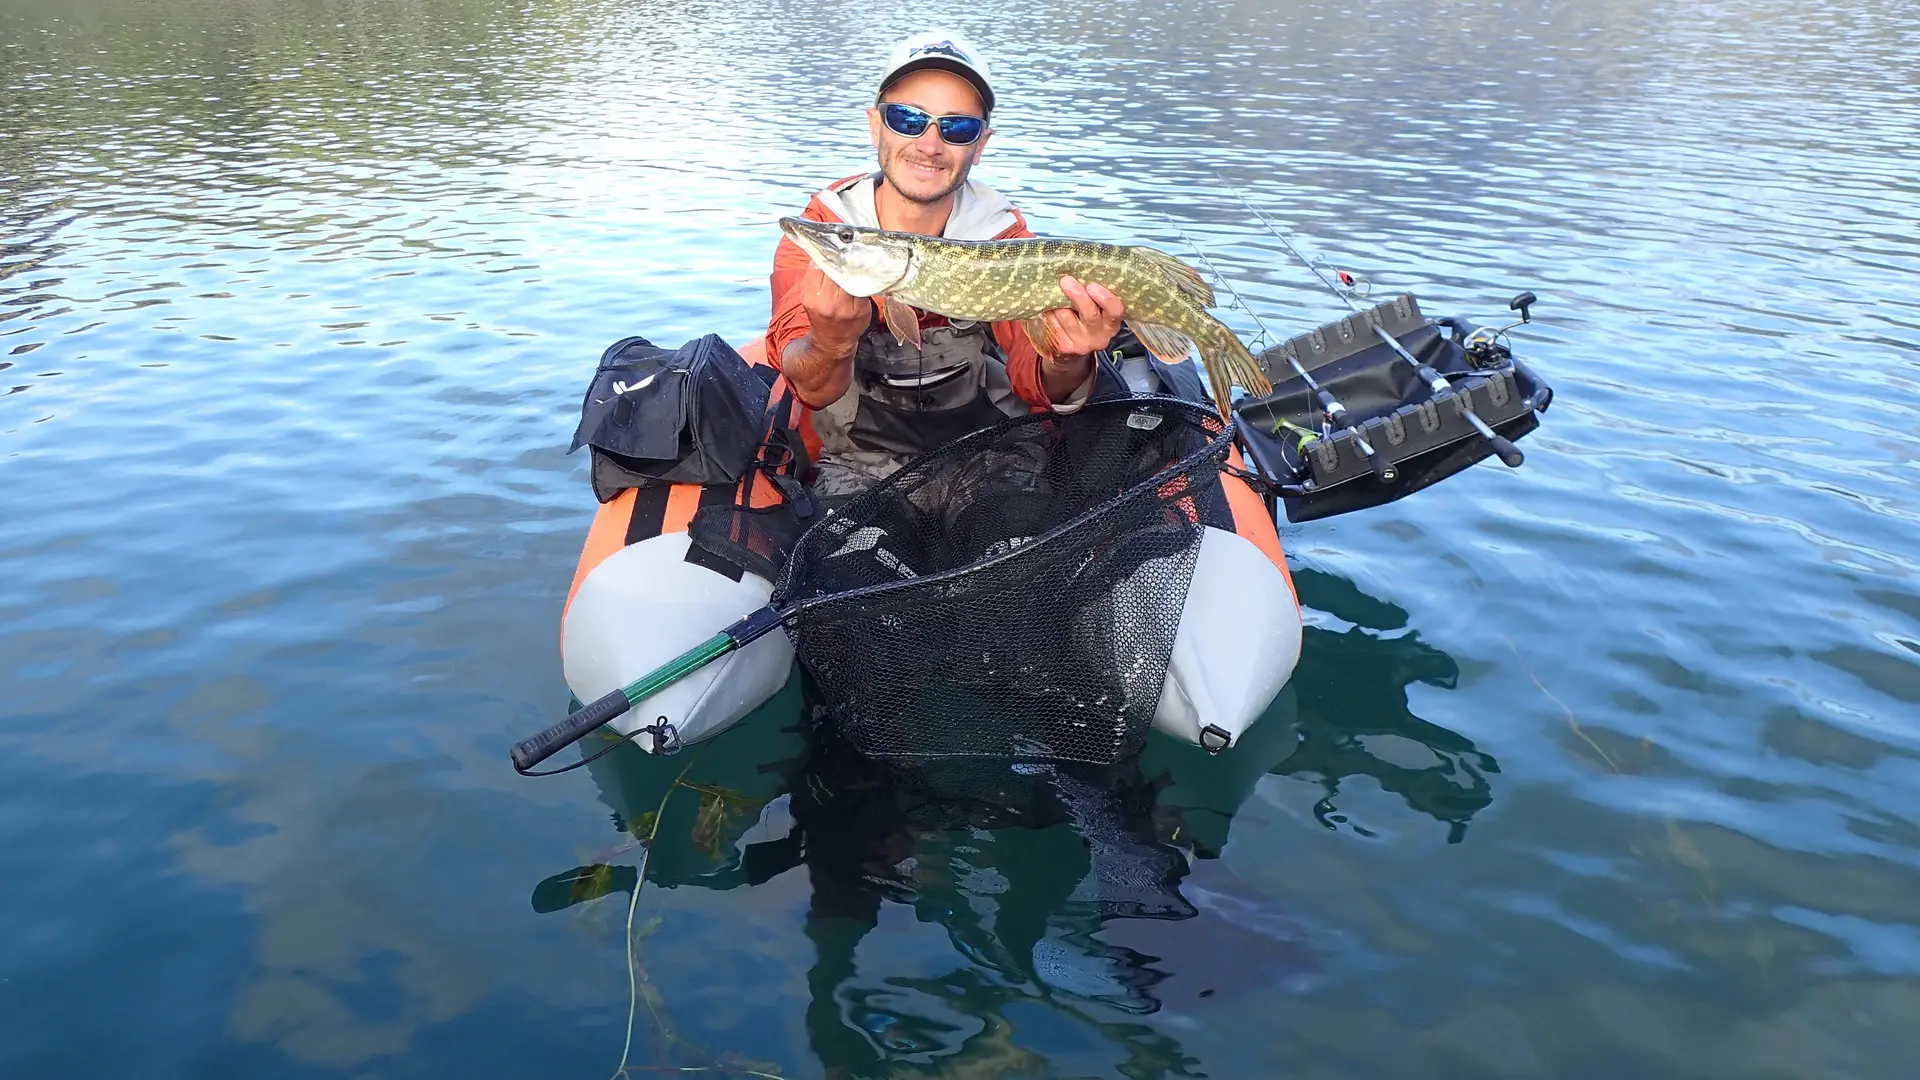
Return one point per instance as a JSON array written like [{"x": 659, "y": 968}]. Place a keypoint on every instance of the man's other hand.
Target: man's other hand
[{"x": 1090, "y": 324}]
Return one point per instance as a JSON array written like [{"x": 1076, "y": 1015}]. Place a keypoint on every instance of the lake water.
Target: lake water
[{"x": 1609, "y": 765}]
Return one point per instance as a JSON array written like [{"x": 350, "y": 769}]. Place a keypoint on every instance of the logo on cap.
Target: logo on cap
[{"x": 944, "y": 48}]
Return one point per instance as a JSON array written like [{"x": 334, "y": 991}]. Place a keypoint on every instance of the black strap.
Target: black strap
[
  {"x": 778, "y": 411},
  {"x": 649, "y": 512},
  {"x": 800, "y": 466},
  {"x": 1254, "y": 480},
  {"x": 713, "y": 495},
  {"x": 782, "y": 457},
  {"x": 796, "y": 493}
]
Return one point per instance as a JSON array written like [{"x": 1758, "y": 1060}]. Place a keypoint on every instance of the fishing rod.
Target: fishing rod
[
  {"x": 1510, "y": 455},
  {"x": 1382, "y": 468}
]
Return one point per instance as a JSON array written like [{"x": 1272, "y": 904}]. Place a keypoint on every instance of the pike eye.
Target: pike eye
[{"x": 845, "y": 235}]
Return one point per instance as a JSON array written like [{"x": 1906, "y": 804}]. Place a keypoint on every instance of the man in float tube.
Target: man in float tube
[{"x": 871, "y": 402}]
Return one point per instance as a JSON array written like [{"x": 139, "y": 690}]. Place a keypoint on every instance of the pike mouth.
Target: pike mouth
[
  {"x": 862, "y": 269},
  {"x": 801, "y": 229},
  {"x": 817, "y": 238}
]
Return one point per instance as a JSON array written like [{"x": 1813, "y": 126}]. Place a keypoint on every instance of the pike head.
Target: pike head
[{"x": 864, "y": 262}]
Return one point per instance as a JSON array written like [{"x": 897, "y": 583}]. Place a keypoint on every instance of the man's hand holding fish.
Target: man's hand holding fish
[{"x": 1085, "y": 328}]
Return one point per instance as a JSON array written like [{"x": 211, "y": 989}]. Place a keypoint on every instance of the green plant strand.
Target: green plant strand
[{"x": 633, "y": 902}]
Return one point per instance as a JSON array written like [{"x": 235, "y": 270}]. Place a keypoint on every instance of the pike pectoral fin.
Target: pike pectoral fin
[
  {"x": 1041, "y": 335},
  {"x": 904, "y": 323},
  {"x": 1167, "y": 345}
]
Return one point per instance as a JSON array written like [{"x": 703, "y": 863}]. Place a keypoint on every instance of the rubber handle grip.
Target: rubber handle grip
[
  {"x": 1382, "y": 468},
  {"x": 1510, "y": 455},
  {"x": 532, "y": 751}
]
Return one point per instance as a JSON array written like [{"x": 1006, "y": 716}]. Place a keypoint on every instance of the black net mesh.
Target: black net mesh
[
  {"x": 1130, "y": 872},
  {"x": 1015, "y": 593}
]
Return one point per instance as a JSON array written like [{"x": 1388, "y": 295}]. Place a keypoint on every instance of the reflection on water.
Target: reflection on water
[
  {"x": 297, "y": 300},
  {"x": 1366, "y": 727},
  {"x": 1095, "y": 894}
]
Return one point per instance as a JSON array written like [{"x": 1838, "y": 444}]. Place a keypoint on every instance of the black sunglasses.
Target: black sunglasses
[{"x": 958, "y": 129}]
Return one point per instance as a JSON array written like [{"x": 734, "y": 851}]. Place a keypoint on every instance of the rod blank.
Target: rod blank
[{"x": 1510, "y": 455}]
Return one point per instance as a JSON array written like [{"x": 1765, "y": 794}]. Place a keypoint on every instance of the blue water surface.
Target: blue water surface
[{"x": 1608, "y": 765}]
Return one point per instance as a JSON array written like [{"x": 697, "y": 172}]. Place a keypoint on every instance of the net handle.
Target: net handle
[{"x": 531, "y": 751}]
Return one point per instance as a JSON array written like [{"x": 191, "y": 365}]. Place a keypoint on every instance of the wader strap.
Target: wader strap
[{"x": 782, "y": 457}]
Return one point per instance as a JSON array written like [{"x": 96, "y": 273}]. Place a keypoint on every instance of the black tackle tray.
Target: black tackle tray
[{"x": 1426, "y": 436}]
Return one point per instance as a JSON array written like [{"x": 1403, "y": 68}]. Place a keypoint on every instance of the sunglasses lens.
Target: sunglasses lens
[
  {"x": 960, "y": 130},
  {"x": 911, "y": 122},
  {"x": 905, "y": 120}
]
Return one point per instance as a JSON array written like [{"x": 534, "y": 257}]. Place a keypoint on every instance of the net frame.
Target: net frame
[{"x": 1216, "y": 448}]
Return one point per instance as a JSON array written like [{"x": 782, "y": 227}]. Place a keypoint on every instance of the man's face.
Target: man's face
[{"x": 927, "y": 169}]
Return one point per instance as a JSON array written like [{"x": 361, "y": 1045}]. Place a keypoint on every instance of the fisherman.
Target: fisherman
[{"x": 871, "y": 402}]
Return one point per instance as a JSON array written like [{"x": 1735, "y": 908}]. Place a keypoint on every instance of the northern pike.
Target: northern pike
[{"x": 1009, "y": 280}]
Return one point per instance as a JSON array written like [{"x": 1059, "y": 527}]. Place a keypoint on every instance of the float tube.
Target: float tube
[{"x": 642, "y": 594}]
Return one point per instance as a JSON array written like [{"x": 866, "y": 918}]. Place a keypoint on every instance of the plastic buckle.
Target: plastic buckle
[{"x": 796, "y": 493}]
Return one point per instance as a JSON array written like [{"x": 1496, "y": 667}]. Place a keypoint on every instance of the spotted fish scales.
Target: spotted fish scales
[{"x": 1017, "y": 280}]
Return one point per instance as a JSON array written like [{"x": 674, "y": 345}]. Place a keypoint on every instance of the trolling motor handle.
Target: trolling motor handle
[
  {"x": 1521, "y": 303},
  {"x": 1509, "y": 454}
]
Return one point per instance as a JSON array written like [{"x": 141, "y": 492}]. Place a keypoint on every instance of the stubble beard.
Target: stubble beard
[{"x": 897, "y": 162}]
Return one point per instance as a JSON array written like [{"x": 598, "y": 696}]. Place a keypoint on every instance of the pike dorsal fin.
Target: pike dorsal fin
[{"x": 1185, "y": 279}]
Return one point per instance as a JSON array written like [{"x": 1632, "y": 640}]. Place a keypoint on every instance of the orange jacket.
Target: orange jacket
[{"x": 789, "y": 322}]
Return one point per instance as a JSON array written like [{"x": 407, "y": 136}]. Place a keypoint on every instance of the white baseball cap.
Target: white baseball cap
[{"x": 947, "y": 50}]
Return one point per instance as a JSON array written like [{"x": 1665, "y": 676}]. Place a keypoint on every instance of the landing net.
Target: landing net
[{"x": 1014, "y": 593}]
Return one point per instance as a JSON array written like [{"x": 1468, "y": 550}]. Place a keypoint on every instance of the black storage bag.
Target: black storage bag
[{"x": 691, "y": 415}]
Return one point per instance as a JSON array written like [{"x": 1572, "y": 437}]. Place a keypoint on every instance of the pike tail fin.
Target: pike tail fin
[{"x": 1228, "y": 364}]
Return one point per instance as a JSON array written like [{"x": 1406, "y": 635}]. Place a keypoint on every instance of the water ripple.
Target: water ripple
[{"x": 295, "y": 307}]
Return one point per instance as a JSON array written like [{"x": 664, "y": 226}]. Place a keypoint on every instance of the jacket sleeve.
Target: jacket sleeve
[
  {"x": 789, "y": 319},
  {"x": 788, "y": 322}
]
